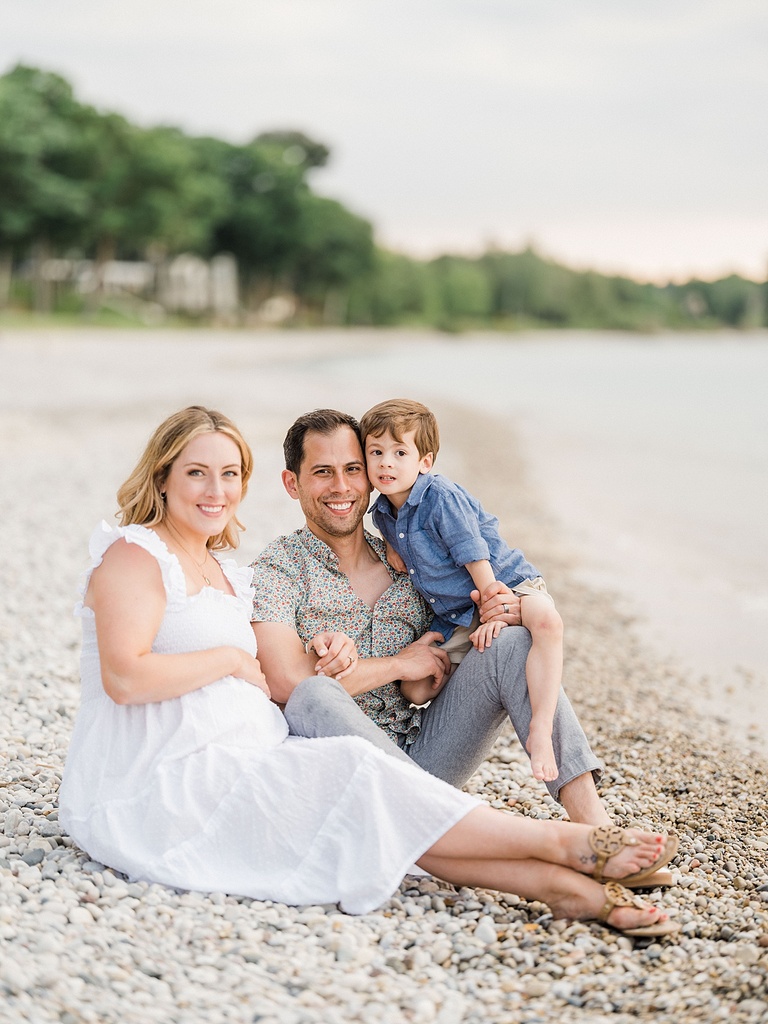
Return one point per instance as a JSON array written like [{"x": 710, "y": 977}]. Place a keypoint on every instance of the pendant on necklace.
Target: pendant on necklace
[{"x": 207, "y": 581}]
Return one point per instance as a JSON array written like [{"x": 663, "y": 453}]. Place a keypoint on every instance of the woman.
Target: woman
[{"x": 181, "y": 770}]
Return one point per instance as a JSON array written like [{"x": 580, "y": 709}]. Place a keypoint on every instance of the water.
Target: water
[{"x": 653, "y": 455}]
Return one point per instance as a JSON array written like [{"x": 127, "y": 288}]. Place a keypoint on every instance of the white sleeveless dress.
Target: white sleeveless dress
[{"x": 208, "y": 792}]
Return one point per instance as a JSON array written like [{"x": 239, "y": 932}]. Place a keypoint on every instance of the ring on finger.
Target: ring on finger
[{"x": 506, "y": 609}]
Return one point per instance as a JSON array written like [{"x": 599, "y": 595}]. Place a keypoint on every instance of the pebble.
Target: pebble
[{"x": 81, "y": 944}]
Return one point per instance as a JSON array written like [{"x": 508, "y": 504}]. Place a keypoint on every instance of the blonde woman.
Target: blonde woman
[{"x": 181, "y": 770}]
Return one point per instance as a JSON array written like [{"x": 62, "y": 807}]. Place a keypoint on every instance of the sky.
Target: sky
[{"x": 624, "y": 135}]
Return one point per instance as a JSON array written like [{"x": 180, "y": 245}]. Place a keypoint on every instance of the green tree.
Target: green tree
[
  {"x": 335, "y": 247},
  {"x": 44, "y": 140},
  {"x": 460, "y": 291},
  {"x": 260, "y": 219}
]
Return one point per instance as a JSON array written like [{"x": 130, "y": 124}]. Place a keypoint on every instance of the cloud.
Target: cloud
[{"x": 456, "y": 117}]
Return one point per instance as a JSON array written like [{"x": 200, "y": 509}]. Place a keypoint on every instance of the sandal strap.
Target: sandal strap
[
  {"x": 617, "y": 896},
  {"x": 605, "y": 841}
]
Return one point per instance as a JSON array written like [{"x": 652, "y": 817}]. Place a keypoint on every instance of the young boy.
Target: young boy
[{"x": 441, "y": 535}]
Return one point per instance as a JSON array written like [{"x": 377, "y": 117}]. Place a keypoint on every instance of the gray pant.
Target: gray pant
[{"x": 461, "y": 724}]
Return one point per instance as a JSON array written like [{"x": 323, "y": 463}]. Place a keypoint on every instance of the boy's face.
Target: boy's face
[{"x": 394, "y": 466}]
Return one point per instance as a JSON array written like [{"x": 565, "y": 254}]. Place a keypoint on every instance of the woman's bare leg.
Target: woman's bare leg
[
  {"x": 567, "y": 893},
  {"x": 486, "y": 834}
]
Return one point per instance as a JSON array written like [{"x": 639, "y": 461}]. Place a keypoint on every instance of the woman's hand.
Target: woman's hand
[
  {"x": 336, "y": 654},
  {"x": 250, "y": 671}
]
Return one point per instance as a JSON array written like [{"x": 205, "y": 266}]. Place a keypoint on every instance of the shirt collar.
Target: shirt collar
[
  {"x": 422, "y": 482},
  {"x": 320, "y": 551}
]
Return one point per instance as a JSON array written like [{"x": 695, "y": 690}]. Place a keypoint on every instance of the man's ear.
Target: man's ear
[
  {"x": 425, "y": 463},
  {"x": 289, "y": 483}
]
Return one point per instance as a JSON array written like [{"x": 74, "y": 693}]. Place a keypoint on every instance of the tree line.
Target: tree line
[{"x": 79, "y": 182}]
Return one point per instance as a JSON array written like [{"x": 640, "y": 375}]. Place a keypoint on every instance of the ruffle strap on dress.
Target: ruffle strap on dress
[
  {"x": 240, "y": 578},
  {"x": 105, "y": 535}
]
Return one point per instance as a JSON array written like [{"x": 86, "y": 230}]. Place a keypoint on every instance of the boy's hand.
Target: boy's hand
[
  {"x": 485, "y": 633},
  {"x": 498, "y": 603},
  {"x": 336, "y": 654},
  {"x": 421, "y": 691},
  {"x": 395, "y": 560}
]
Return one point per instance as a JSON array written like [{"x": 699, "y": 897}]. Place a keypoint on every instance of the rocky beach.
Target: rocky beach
[{"x": 81, "y": 943}]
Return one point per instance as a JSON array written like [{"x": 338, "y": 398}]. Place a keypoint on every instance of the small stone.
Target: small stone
[
  {"x": 537, "y": 986},
  {"x": 746, "y": 954},
  {"x": 33, "y": 857},
  {"x": 756, "y": 1008},
  {"x": 79, "y": 916},
  {"x": 486, "y": 931}
]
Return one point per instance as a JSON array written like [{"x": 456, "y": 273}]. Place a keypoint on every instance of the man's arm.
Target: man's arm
[{"x": 285, "y": 663}]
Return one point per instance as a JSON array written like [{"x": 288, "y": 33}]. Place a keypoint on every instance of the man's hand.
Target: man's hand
[
  {"x": 420, "y": 661},
  {"x": 498, "y": 603},
  {"x": 422, "y": 691},
  {"x": 337, "y": 654},
  {"x": 424, "y": 669}
]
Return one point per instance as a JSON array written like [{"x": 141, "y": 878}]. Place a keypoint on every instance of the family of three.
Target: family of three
[{"x": 184, "y": 770}]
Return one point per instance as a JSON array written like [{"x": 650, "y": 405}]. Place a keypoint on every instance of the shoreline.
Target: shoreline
[{"x": 79, "y": 940}]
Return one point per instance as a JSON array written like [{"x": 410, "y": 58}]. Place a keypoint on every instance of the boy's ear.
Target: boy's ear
[{"x": 426, "y": 463}]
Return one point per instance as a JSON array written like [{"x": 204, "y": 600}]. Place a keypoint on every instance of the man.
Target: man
[{"x": 330, "y": 581}]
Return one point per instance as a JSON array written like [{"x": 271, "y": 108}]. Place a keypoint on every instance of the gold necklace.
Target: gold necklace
[{"x": 199, "y": 565}]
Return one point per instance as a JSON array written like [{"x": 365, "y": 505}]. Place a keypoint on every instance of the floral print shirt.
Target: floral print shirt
[{"x": 298, "y": 582}]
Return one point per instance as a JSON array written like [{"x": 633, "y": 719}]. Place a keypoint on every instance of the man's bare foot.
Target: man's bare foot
[
  {"x": 543, "y": 763},
  {"x": 641, "y": 850}
]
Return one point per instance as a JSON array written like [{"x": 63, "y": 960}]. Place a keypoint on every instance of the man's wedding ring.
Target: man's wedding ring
[
  {"x": 506, "y": 609},
  {"x": 349, "y": 660}
]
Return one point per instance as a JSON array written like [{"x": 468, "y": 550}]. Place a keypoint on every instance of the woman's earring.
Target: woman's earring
[{"x": 162, "y": 495}]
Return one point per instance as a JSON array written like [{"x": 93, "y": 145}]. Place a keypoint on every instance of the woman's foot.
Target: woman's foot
[
  {"x": 543, "y": 762},
  {"x": 611, "y": 852},
  {"x": 630, "y": 915},
  {"x": 613, "y": 905}
]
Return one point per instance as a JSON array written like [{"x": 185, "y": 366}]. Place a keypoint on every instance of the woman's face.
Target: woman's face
[{"x": 204, "y": 486}]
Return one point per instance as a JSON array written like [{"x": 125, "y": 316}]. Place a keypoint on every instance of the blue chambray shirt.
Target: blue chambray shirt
[{"x": 437, "y": 531}]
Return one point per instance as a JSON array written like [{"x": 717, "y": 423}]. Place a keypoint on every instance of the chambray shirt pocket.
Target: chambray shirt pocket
[{"x": 435, "y": 575}]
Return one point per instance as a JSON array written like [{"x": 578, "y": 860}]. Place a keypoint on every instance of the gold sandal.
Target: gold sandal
[
  {"x": 606, "y": 840},
  {"x": 617, "y": 896}
]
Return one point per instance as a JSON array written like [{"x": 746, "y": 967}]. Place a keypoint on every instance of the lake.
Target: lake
[{"x": 652, "y": 452}]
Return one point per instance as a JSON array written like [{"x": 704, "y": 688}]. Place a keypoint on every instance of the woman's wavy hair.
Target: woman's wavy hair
[{"x": 140, "y": 497}]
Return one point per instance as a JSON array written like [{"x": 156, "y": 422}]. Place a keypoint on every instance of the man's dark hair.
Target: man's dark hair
[{"x": 320, "y": 421}]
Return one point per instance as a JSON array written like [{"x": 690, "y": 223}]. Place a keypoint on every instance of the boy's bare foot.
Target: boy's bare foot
[{"x": 543, "y": 763}]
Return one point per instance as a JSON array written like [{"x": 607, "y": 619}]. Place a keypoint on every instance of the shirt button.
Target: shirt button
[
  {"x": 431, "y": 600},
  {"x": 454, "y": 615},
  {"x": 401, "y": 535},
  {"x": 412, "y": 571}
]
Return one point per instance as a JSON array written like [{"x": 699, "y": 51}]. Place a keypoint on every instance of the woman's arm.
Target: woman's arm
[{"x": 128, "y": 599}]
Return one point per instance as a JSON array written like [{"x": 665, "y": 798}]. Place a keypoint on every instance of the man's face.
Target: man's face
[{"x": 332, "y": 485}]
